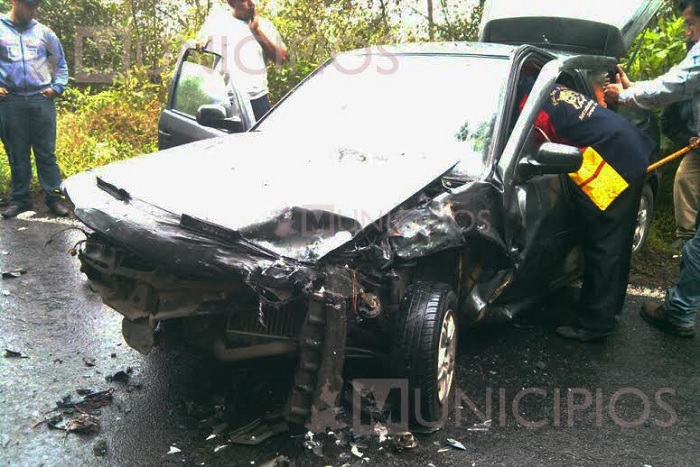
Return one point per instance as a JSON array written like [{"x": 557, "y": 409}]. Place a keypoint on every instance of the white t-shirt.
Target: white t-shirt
[{"x": 243, "y": 55}]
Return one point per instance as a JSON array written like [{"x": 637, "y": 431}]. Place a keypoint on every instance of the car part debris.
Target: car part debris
[
  {"x": 14, "y": 354},
  {"x": 99, "y": 449},
  {"x": 78, "y": 416},
  {"x": 279, "y": 461},
  {"x": 13, "y": 274},
  {"x": 485, "y": 426},
  {"x": 83, "y": 423},
  {"x": 456, "y": 444},
  {"x": 258, "y": 431},
  {"x": 406, "y": 441},
  {"x": 121, "y": 376},
  {"x": 356, "y": 451},
  {"x": 381, "y": 431}
]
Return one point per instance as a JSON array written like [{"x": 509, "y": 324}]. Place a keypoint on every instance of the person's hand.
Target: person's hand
[
  {"x": 612, "y": 93},
  {"x": 621, "y": 78},
  {"x": 50, "y": 93},
  {"x": 201, "y": 44},
  {"x": 255, "y": 23},
  {"x": 3, "y": 92}
]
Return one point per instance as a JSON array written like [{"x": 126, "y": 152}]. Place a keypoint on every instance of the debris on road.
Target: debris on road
[
  {"x": 279, "y": 461},
  {"x": 406, "y": 441},
  {"x": 481, "y": 426},
  {"x": 89, "y": 361},
  {"x": 14, "y": 274},
  {"x": 381, "y": 431},
  {"x": 174, "y": 450},
  {"x": 356, "y": 451},
  {"x": 121, "y": 376},
  {"x": 219, "y": 448},
  {"x": 83, "y": 423},
  {"x": 456, "y": 444},
  {"x": 99, "y": 449},
  {"x": 14, "y": 354},
  {"x": 311, "y": 444},
  {"x": 93, "y": 401},
  {"x": 78, "y": 416}
]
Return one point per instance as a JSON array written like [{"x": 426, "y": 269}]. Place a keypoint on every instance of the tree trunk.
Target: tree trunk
[{"x": 431, "y": 21}]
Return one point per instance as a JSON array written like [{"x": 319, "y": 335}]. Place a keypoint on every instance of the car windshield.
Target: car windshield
[{"x": 389, "y": 105}]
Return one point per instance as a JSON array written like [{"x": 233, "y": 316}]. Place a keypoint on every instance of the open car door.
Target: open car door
[
  {"x": 595, "y": 27},
  {"x": 202, "y": 102}
]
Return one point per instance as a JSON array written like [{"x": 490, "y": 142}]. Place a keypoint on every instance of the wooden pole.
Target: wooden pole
[{"x": 674, "y": 156}]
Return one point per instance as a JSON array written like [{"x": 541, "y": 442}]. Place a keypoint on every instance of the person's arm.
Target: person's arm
[
  {"x": 204, "y": 36},
  {"x": 680, "y": 83},
  {"x": 58, "y": 62},
  {"x": 269, "y": 40}
]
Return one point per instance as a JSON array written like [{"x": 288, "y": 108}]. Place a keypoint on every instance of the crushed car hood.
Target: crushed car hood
[{"x": 299, "y": 201}]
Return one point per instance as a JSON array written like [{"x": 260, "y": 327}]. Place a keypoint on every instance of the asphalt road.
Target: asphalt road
[{"x": 632, "y": 401}]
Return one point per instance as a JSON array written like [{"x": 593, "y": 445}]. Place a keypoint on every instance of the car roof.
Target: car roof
[{"x": 439, "y": 48}]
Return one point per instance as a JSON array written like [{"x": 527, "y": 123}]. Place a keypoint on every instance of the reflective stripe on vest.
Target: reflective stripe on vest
[{"x": 598, "y": 180}]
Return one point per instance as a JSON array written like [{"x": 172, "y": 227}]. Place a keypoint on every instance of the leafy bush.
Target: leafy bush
[{"x": 97, "y": 128}]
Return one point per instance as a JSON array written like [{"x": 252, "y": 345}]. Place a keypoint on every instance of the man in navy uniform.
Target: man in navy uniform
[{"x": 606, "y": 191}]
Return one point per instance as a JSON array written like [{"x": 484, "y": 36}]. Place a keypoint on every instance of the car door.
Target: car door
[
  {"x": 199, "y": 80},
  {"x": 542, "y": 229},
  {"x": 597, "y": 27}
]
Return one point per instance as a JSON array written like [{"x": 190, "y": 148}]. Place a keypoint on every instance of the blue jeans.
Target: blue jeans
[
  {"x": 29, "y": 123},
  {"x": 683, "y": 300}
]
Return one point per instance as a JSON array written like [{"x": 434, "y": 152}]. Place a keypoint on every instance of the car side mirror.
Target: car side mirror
[
  {"x": 214, "y": 116},
  {"x": 551, "y": 158}
]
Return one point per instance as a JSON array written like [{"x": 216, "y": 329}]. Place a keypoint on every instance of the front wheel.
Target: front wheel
[
  {"x": 644, "y": 218},
  {"x": 424, "y": 349}
]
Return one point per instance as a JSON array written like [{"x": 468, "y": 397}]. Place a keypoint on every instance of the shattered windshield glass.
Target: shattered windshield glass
[{"x": 384, "y": 105}]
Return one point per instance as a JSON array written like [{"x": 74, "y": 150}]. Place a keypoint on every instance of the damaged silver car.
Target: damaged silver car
[{"x": 392, "y": 197}]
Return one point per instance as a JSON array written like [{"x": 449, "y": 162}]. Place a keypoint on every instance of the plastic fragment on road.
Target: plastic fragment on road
[
  {"x": 13, "y": 274},
  {"x": 406, "y": 440},
  {"x": 174, "y": 450},
  {"x": 14, "y": 354},
  {"x": 356, "y": 451},
  {"x": 456, "y": 444}
]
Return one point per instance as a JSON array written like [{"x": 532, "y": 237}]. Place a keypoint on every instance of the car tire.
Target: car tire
[
  {"x": 424, "y": 347},
  {"x": 645, "y": 214}
]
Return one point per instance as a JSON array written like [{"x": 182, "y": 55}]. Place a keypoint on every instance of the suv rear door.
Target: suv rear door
[
  {"x": 199, "y": 80},
  {"x": 596, "y": 27}
]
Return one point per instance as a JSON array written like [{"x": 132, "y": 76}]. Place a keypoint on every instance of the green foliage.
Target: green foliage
[
  {"x": 315, "y": 30},
  {"x": 657, "y": 49},
  {"x": 97, "y": 128},
  {"x": 654, "y": 52}
]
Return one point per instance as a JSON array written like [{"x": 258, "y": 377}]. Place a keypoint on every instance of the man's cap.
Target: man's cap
[{"x": 30, "y": 2}]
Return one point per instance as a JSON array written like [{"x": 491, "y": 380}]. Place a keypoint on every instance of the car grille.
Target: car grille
[{"x": 272, "y": 321}]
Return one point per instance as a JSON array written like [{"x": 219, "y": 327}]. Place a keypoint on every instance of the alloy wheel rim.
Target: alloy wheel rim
[{"x": 447, "y": 351}]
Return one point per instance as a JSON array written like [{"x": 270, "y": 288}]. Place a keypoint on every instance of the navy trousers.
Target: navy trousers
[{"x": 28, "y": 124}]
